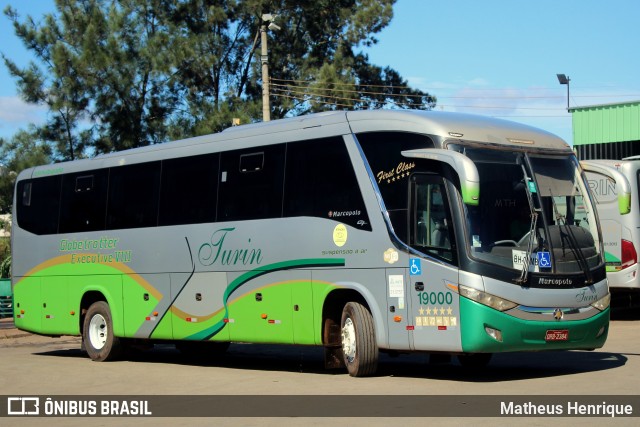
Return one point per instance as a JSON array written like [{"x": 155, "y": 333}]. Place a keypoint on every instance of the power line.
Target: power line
[
  {"x": 279, "y": 91},
  {"x": 337, "y": 104},
  {"x": 319, "y": 102},
  {"x": 293, "y": 88},
  {"x": 342, "y": 84},
  {"x": 306, "y": 83},
  {"x": 297, "y": 94},
  {"x": 309, "y": 93}
]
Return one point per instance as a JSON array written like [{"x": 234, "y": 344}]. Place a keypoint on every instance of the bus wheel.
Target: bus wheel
[
  {"x": 97, "y": 333},
  {"x": 475, "y": 360},
  {"x": 359, "y": 347}
]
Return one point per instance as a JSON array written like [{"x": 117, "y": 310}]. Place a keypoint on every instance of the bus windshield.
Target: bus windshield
[{"x": 534, "y": 213}]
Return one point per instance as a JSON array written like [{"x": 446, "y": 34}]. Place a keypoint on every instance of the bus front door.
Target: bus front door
[{"x": 434, "y": 306}]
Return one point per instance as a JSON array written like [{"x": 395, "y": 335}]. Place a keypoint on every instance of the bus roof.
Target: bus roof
[{"x": 443, "y": 124}]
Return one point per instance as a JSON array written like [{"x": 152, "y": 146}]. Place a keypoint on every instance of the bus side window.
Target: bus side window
[
  {"x": 39, "y": 207},
  {"x": 320, "y": 182},
  {"x": 385, "y": 162},
  {"x": 251, "y": 182},
  {"x": 430, "y": 232},
  {"x": 189, "y": 190},
  {"x": 84, "y": 201},
  {"x": 26, "y": 194},
  {"x": 133, "y": 196}
]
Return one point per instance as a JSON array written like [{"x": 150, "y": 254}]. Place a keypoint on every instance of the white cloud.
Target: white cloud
[
  {"x": 14, "y": 110},
  {"x": 422, "y": 84},
  {"x": 432, "y": 86},
  {"x": 16, "y": 114}
]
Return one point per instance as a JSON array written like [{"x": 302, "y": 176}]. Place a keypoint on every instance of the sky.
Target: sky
[{"x": 496, "y": 58}]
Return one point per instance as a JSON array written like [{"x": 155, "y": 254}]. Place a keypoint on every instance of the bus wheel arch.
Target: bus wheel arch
[
  {"x": 98, "y": 339},
  {"x": 88, "y": 298}
]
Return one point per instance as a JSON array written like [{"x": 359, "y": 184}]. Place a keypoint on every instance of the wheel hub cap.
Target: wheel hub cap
[
  {"x": 349, "y": 340},
  {"x": 98, "y": 331}
]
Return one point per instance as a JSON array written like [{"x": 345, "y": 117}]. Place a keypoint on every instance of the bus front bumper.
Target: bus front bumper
[{"x": 479, "y": 323}]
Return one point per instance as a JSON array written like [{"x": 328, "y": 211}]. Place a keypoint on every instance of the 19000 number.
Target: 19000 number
[{"x": 435, "y": 298}]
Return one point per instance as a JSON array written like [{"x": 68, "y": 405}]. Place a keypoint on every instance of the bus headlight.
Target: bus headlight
[
  {"x": 485, "y": 298},
  {"x": 603, "y": 303}
]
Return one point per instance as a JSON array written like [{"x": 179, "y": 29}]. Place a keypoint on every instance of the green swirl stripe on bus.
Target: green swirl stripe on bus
[{"x": 250, "y": 275}]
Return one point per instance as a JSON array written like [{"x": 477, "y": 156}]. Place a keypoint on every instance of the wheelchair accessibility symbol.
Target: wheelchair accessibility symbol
[
  {"x": 544, "y": 260},
  {"x": 414, "y": 268}
]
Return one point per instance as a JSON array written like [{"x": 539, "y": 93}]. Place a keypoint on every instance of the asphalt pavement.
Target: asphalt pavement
[{"x": 8, "y": 329}]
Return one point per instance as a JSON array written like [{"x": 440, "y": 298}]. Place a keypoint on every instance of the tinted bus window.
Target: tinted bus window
[
  {"x": 189, "y": 190},
  {"x": 391, "y": 169},
  {"x": 320, "y": 182},
  {"x": 251, "y": 183},
  {"x": 133, "y": 196},
  {"x": 39, "y": 204},
  {"x": 84, "y": 201}
]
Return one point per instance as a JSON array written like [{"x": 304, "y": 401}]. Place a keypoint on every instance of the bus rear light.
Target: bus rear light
[
  {"x": 496, "y": 334},
  {"x": 629, "y": 254}
]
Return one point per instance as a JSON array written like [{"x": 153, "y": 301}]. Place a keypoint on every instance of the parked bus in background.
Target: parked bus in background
[
  {"x": 610, "y": 182},
  {"x": 361, "y": 232}
]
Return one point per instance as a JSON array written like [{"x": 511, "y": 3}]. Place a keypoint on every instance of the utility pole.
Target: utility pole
[
  {"x": 267, "y": 23},
  {"x": 266, "y": 107}
]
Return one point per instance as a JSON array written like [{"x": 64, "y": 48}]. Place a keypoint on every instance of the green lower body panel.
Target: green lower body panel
[{"x": 526, "y": 335}]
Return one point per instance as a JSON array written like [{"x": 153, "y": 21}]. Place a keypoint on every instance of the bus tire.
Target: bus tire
[
  {"x": 475, "y": 360},
  {"x": 359, "y": 348},
  {"x": 97, "y": 334}
]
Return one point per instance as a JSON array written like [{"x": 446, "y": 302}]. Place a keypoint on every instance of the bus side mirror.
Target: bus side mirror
[
  {"x": 624, "y": 203},
  {"x": 464, "y": 167},
  {"x": 623, "y": 188}
]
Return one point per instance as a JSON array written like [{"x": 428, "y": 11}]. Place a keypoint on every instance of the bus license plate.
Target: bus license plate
[{"x": 557, "y": 335}]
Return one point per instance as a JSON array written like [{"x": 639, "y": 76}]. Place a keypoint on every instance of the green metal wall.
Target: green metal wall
[{"x": 606, "y": 123}]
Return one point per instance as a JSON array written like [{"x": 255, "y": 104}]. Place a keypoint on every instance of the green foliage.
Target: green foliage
[
  {"x": 5, "y": 267},
  {"x": 119, "y": 74},
  {"x": 5, "y": 251},
  {"x": 23, "y": 151}
]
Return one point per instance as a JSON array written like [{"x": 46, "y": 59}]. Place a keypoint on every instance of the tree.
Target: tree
[
  {"x": 23, "y": 151},
  {"x": 62, "y": 92},
  {"x": 107, "y": 64},
  {"x": 118, "y": 74},
  {"x": 317, "y": 66}
]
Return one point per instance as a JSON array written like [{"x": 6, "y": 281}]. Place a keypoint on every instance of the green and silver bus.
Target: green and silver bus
[{"x": 362, "y": 232}]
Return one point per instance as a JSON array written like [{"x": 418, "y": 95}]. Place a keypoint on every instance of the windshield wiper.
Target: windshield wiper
[
  {"x": 570, "y": 237},
  {"x": 525, "y": 264},
  {"x": 533, "y": 213}
]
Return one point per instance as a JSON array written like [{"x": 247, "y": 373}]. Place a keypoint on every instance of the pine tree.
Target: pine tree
[{"x": 119, "y": 74}]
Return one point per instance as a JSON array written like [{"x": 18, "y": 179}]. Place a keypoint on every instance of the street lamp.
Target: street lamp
[
  {"x": 267, "y": 23},
  {"x": 564, "y": 80}
]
